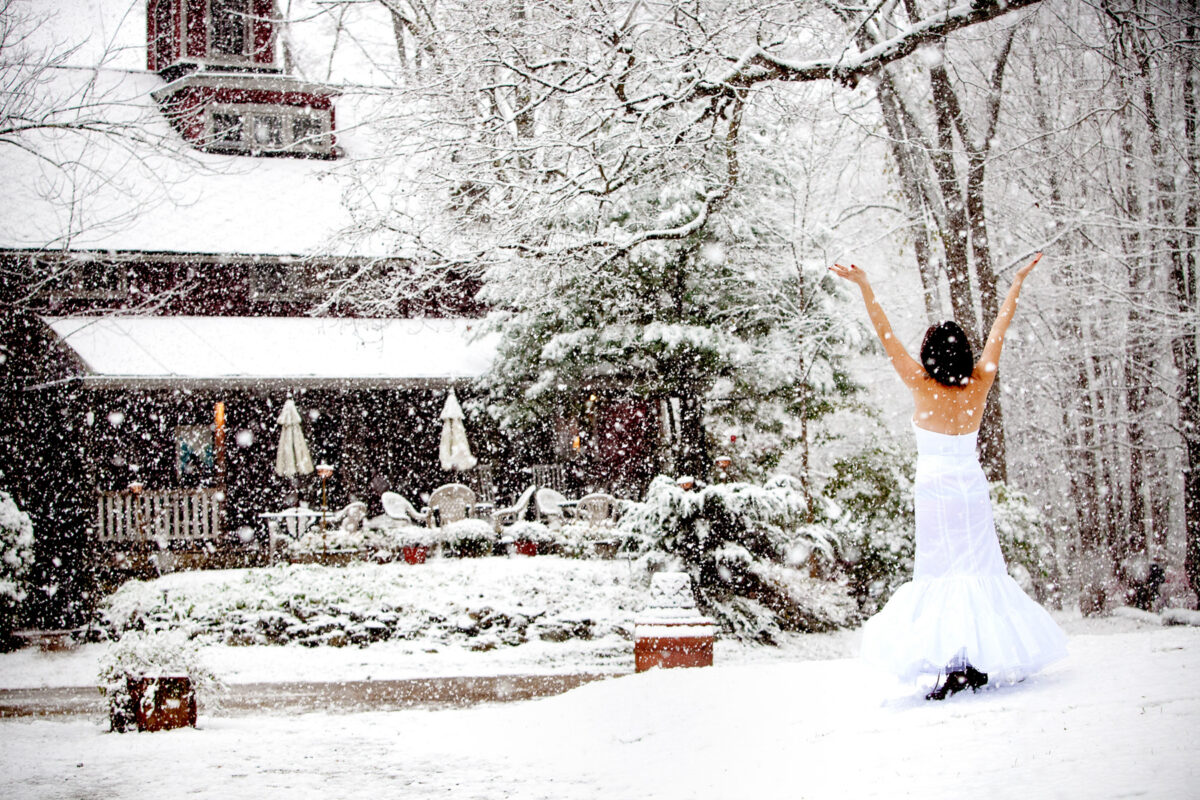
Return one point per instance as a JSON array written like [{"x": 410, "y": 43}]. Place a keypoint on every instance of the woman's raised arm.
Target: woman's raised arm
[
  {"x": 989, "y": 360},
  {"x": 909, "y": 370}
]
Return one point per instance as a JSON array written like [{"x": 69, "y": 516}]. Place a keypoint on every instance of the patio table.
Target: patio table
[{"x": 295, "y": 522}]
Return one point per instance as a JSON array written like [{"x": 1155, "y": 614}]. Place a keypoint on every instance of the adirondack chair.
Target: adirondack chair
[
  {"x": 513, "y": 513},
  {"x": 551, "y": 505},
  {"x": 450, "y": 503},
  {"x": 597, "y": 508},
  {"x": 397, "y": 508}
]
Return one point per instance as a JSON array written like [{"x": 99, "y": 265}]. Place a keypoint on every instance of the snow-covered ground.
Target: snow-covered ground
[
  {"x": 1119, "y": 718},
  {"x": 449, "y": 617}
]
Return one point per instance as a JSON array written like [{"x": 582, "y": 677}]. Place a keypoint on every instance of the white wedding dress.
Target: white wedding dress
[{"x": 961, "y": 605}]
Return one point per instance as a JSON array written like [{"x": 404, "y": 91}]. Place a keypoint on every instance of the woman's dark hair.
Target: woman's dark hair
[{"x": 946, "y": 354}]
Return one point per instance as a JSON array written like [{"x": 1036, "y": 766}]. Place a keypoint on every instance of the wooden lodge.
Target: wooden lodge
[{"x": 161, "y": 297}]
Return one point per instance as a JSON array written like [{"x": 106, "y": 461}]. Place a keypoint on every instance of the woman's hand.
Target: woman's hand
[
  {"x": 850, "y": 273},
  {"x": 1028, "y": 268}
]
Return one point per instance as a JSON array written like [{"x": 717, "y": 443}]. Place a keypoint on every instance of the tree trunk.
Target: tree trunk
[
  {"x": 908, "y": 167},
  {"x": 1137, "y": 346},
  {"x": 954, "y": 235},
  {"x": 1183, "y": 281},
  {"x": 692, "y": 457}
]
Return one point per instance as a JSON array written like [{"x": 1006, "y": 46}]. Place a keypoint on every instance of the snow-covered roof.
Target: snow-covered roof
[
  {"x": 175, "y": 352},
  {"x": 128, "y": 182}
]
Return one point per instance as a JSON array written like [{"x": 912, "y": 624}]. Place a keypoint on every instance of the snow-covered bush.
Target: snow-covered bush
[
  {"x": 1025, "y": 542},
  {"x": 16, "y": 558},
  {"x": 139, "y": 653},
  {"x": 331, "y": 539},
  {"x": 468, "y": 538},
  {"x": 515, "y": 600},
  {"x": 536, "y": 532},
  {"x": 386, "y": 542},
  {"x": 741, "y": 545},
  {"x": 868, "y": 505},
  {"x": 579, "y": 538}
]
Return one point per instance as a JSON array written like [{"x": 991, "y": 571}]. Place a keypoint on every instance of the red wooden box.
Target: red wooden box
[
  {"x": 672, "y": 651},
  {"x": 162, "y": 703}
]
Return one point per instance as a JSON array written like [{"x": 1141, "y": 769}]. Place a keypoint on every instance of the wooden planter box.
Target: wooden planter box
[
  {"x": 673, "y": 645},
  {"x": 163, "y": 702}
]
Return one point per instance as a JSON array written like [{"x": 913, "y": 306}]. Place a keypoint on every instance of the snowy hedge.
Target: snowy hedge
[
  {"x": 16, "y": 559},
  {"x": 478, "y": 604},
  {"x": 742, "y": 545}
]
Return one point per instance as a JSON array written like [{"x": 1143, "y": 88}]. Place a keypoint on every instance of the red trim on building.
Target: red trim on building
[
  {"x": 197, "y": 29},
  {"x": 264, "y": 32}
]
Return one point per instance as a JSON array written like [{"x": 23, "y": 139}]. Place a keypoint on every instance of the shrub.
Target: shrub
[
  {"x": 468, "y": 538},
  {"x": 579, "y": 538},
  {"x": 535, "y": 532},
  {"x": 741, "y": 544},
  {"x": 139, "y": 653},
  {"x": 335, "y": 539},
  {"x": 1026, "y": 543},
  {"x": 386, "y": 543},
  {"x": 868, "y": 504},
  {"x": 16, "y": 559}
]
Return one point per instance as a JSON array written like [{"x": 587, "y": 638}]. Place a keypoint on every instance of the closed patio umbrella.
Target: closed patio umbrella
[
  {"x": 293, "y": 457},
  {"x": 455, "y": 451}
]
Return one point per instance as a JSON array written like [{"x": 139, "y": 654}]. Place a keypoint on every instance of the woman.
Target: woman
[{"x": 961, "y": 615}]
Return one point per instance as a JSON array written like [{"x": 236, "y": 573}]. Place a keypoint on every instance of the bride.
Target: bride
[{"x": 961, "y": 615}]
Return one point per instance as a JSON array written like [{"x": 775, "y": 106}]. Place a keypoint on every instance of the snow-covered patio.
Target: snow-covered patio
[{"x": 1118, "y": 719}]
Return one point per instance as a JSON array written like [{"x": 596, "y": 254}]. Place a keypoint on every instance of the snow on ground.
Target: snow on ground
[
  {"x": 1118, "y": 718},
  {"x": 581, "y": 612}
]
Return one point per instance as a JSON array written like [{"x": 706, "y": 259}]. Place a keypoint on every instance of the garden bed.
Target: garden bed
[{"x": 479, "y": 604}]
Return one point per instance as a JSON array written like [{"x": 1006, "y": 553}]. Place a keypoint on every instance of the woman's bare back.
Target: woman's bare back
[{"x": 949, "y": 409}]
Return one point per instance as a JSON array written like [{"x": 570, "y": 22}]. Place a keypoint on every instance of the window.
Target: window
[
  {"x": 268, "y": 132},
  {"x": 228, "y": 130},
  {"x": 83, "y": 280},
  {"x": 230, "y": 29},
  {"x": 288, "y": 281},
  {"x": 307, "y": 131},
  {"x": 257, "y": 129},
  {"x": 193, "y": 453}
]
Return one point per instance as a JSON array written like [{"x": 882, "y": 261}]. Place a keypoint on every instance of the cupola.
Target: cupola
[{"x": 226, "y": 90}]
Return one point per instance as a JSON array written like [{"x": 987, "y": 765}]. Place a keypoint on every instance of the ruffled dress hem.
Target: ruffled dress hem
[{"x": 986, "y": 620}]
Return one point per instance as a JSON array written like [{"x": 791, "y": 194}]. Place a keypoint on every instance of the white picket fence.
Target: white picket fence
[{"x": 159, "y": 515}]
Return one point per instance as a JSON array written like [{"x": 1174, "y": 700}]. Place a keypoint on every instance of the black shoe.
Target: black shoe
[
  {"x": 955, "y": 682},
  {"x": 976, "y": 679}
]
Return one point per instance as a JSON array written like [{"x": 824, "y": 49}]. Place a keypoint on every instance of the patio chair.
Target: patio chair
[
  {"x": 450, "y": 503},
  {"x": 513, "y": 513},
  {"x": 551, "y": 505},
  {"x": 396, "y": 507},
  {"x": 349, "y": 518},
  {"x": 597, "y": 508}
]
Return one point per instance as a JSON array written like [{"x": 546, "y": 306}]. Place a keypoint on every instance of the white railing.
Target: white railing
[{"x": 159, "y": 515}]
